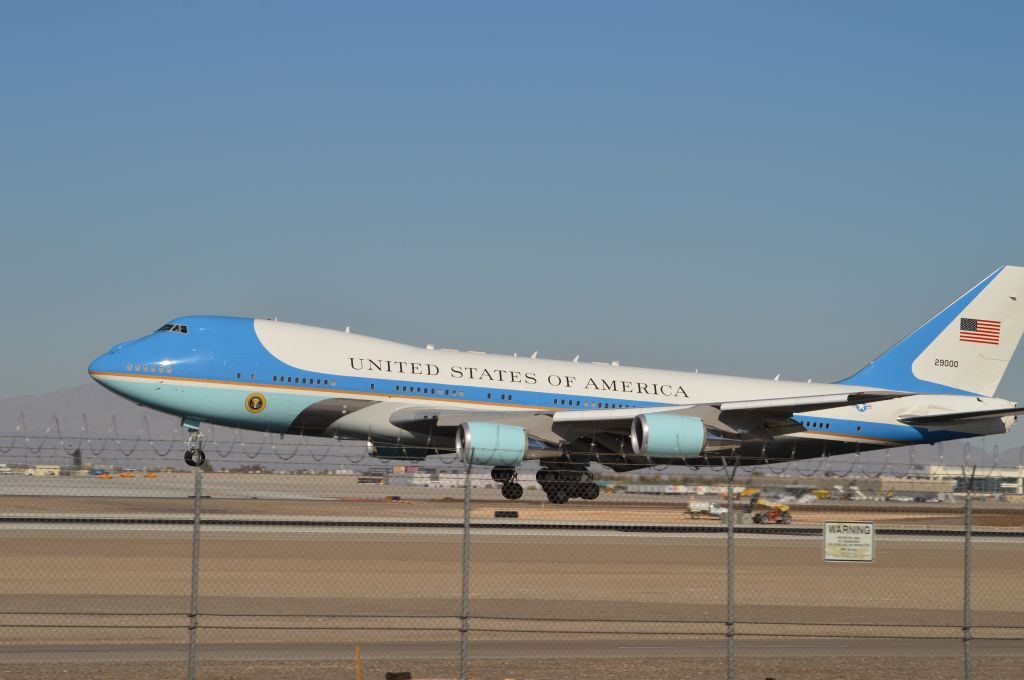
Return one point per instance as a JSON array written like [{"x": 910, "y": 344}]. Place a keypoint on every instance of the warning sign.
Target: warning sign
[{"x": 849, "y": 541}]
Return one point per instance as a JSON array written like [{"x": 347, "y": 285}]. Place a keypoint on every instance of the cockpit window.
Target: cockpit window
[{"x": 173, "y": 328}]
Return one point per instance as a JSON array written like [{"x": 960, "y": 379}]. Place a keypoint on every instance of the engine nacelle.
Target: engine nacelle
[
  {"x": 480, "y": 443},
  {"x": 664, "y": 435}
]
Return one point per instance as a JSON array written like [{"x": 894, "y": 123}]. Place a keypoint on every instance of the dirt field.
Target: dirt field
[
  {"x": 127, "y": 593},
  {"x": 102, "y": 601}
]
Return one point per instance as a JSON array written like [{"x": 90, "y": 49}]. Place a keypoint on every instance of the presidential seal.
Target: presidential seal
[{"x": 255, "y": 402}]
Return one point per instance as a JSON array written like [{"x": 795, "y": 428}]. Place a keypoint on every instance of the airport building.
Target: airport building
[{"x": 1009, "y": 481}]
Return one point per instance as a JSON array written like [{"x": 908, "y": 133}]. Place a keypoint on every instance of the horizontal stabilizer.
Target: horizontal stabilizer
[{"x": 961, "y": 416}]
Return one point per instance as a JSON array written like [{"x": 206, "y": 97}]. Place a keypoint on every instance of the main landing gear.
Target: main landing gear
[
  {"x": 510, "y": 488},
  {"x": 194, "y": 456},
  {"x": 562, "y": 484}
]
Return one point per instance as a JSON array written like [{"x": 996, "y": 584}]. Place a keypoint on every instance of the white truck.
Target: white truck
[{"x": 702, "y": 509}]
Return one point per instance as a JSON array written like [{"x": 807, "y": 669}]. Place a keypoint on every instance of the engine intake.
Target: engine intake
[
  {"x": 664, "y": 435},
  {"x": 491, "y": 443}
]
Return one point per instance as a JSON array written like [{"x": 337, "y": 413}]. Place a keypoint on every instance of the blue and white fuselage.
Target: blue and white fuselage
[{"x": 282, "y": 377}]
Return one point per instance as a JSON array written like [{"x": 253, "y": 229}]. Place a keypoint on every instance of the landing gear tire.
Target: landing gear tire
[
  {"x": 513, "y": 491},
  {"x": 195, "y": 458},
  {"x": 557, "y": 494},
  {"x": 590, "y": 492}
]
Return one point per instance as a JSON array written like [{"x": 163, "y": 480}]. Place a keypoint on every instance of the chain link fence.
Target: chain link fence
[{"x": 302, "y": 557}]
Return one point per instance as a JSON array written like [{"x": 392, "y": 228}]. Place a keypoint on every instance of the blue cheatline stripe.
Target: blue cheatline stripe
[
  {"x": 894, "y": 369},
  {"x": 383, "y": 389},
  {"x": 874, "y": 432}
]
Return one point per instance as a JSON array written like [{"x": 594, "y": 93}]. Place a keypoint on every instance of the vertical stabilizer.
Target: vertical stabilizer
[{"x": 964, "y": 349}]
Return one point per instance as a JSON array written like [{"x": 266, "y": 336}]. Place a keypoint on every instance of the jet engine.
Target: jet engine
[
  {"x": 664, "y": 435},
  {"x": 481, "y": 443}
]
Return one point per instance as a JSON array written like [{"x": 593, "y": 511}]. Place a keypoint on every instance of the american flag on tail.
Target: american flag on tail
[{"x": 979, "y": 330}]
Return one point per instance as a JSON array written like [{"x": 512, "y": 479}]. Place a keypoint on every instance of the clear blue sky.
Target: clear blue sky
[{"x": 747, "y": 188}]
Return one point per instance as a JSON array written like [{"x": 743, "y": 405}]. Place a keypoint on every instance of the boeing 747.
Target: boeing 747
[{"x": 405, "y": 402}]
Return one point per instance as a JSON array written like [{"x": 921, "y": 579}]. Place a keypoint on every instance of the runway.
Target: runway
[
  {"x": 606, "y": 648},
  {"x": 320, "y": 496}
]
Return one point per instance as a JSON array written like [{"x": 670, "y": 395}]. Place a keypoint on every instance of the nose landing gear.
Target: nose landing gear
[
  {"x": 194, "y": 456},
  {"x": 510, "y": 488}
]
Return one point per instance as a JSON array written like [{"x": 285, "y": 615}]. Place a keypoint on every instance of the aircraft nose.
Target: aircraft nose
[{"x": 105, "y": 363}]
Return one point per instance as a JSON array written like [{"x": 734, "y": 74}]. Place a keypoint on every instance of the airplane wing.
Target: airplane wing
[
  {"x": 558, "y": 425},
  {"x": 956, "y": 417},
  {"x": 783, "y": 407}
]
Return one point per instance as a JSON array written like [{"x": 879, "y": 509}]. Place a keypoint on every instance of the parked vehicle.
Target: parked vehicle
[{"x": 705, "y": 509}]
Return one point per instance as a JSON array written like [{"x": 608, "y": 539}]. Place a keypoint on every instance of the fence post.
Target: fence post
[
  {"x": 193, "y": 607},
  {"x": 730, "y": 623},
  {"x": 969, "y": 481},
  {"x": 464, "y": 615}
]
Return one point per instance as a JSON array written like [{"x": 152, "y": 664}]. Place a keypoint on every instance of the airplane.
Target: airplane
[{"x": 936, "y": 384}]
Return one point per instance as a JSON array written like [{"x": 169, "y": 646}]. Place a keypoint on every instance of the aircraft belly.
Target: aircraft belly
[
  {"x": 373, "y": 421},
  {"x": 317, "y": 418}
]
